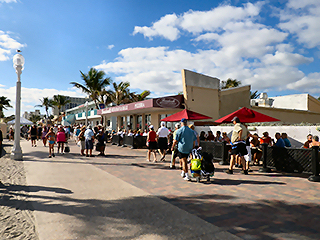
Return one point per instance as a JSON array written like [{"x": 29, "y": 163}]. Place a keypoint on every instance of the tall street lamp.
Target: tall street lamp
[
  {"x": 86, "y": 104},
  {"x": 18, "y": 62}
]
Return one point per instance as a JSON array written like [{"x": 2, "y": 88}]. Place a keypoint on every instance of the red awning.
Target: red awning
[
  {"x": 247, "y": 115},
  {"x": 187, "y": 114}
]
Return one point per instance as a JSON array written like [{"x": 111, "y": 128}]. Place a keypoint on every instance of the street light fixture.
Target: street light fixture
[
  {"x": 86, "y": 104},
  {"x": 18, "y": 63}
]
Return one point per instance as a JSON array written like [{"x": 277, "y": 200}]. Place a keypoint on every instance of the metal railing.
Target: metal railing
[
  {"x": 291, "y": 160},
  {"x": 219, "y": 150},
  {"x": 129, "y": 141}
]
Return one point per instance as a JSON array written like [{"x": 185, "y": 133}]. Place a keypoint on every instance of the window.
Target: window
[
  {"x": 147, "y": 120},
  {"x": 139, "y": 121}
]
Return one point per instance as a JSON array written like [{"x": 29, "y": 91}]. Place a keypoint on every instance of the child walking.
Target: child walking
[{"x": 51, "y": 136}]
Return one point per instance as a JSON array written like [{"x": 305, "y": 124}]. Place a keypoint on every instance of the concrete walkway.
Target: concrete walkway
[{"x": 74, "y": 199}]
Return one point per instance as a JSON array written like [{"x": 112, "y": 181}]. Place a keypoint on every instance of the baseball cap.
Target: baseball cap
[
  {"x": 183, "y": 120},
  {"x": 151, "y": 126}
]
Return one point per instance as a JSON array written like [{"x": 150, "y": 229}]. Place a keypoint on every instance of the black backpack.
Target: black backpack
[{"x": 207, "y": 164}]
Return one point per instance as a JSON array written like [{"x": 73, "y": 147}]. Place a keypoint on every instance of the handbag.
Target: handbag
[{"x": 66, "y": 148}]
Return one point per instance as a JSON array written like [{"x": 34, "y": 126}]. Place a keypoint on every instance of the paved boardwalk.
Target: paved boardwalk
[
  {"x": 122, "y": 195},
  {"x": 73, "y": 198},
  {"x": 254, "y": 206}
]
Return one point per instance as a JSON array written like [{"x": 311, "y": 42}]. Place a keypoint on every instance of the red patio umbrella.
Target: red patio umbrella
[
  {"x": 247, "y": 115},
  {"x": 187, "y": 114}
]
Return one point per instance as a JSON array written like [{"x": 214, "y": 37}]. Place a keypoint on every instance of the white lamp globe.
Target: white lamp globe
[{"x": 18, "y": 60}]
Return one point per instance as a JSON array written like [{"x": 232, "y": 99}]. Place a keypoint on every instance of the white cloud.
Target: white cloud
[
  {"x": 303, "y": 23},
  {"x": 296, "y": 4},
  {"x": 110, "y": 46},
  {"x": 7, "y": 1},
  {"x": 199, "y": 21},
  {"x": 165, "y": 27},
  {"x": 285, "y": 58},
  {"x": 310, "y": 83},
  {"x": 30, "y": 97},
  {"x": 8, "y": 45},
  {"x": 217, "y": 18}
]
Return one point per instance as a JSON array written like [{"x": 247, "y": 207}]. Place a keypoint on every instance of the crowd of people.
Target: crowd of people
[
  {"x": 58, "y": 135},
  {"x": 244, "y": 148}
]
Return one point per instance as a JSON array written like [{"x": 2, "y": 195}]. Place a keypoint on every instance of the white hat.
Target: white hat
[
  {"x": 177, "y": 125},
  {"x": 163, "y": 124},
  {"x": 151, "y": 126}
]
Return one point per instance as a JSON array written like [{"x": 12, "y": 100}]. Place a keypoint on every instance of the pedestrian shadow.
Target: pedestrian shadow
[
  {"x": 4, "y": 149},
  {"x": 230, "y": 182},
  {"x": 32, "y": 188}
]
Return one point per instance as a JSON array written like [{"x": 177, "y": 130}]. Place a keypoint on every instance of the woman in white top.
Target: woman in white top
[{"x": 162, "y": 135}]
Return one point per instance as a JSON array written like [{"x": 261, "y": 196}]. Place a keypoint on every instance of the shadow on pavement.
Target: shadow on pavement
[
  {"x": 146, "y": 215},
  {"x": 264, "y": 219},
  {"x": 25, "y": 188},
  {"x": 220, "y": 181}
]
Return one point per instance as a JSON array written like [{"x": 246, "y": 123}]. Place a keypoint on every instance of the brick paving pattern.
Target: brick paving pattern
[{"x": 254, "y": 206}]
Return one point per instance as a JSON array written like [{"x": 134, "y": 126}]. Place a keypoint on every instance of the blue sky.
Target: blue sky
[{"x": 272, "y": 45}]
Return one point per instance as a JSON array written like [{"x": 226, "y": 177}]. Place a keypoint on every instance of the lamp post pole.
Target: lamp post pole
[
  {"x": 18, "y": 62},
  {"x": 86, "y": 113}
]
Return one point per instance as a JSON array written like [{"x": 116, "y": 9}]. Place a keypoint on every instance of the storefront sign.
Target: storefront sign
[{"x": 169, "y": 102}]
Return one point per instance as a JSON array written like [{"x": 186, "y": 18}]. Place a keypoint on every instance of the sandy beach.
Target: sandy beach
[{"x": 16, "y": 217}]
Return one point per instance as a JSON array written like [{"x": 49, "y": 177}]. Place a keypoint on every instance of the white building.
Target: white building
[
  {"x": 74, "y": 102},
  {"x": 27, "y": 115},
  {"x": 78, "y": 115}
]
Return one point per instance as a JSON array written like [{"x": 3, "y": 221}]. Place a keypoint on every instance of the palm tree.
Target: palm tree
[
  {"x": 254, "y": 95},
  {"x": 34, "y": 118},
  {"x": 121, "y": 94},
  {"x": 46, "y": 103},
  {"x": 230, "y": 83},
  {"x": 60, "y": 101},
  {"x": 4, "y": 104},
  {"x": 94, "y": 84},
  {"x": 139, "y": 97}
]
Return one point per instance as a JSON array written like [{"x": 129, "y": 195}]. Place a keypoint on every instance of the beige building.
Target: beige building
[{"x": 290, "y": 109}]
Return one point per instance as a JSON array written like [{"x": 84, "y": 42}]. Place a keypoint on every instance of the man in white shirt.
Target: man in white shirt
[
  {"x": 89, "y": 137},
  {"x": 162, "y": 135}
]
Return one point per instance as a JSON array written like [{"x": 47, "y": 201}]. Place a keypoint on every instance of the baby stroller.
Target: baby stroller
[{"x": 201, "y": 165}]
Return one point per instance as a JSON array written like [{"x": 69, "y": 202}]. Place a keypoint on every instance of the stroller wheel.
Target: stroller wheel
[{"x": 198, "y": 179}]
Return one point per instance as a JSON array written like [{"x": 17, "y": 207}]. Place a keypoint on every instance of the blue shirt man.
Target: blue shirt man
[
  {"x": 185, "y": 138},
  {"x": 280, "y": 142}
]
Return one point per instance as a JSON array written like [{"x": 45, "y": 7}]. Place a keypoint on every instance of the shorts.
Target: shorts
[
  {"x": 33, "y": 137},
  {"x": 239, "y": 149},
  {"x": 60, "y": 142},
  {"x": 152, "y": 145},
  {"x": 89, "y": 144},
  {"x": 183, "y": 155},
  {"x": 82, "y": 145},
  {"x": 51, "y": 142},
  {"x": 163, "y": 143}
]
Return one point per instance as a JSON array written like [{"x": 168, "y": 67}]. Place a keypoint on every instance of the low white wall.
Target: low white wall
[{"x": 296, "y": 134}]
